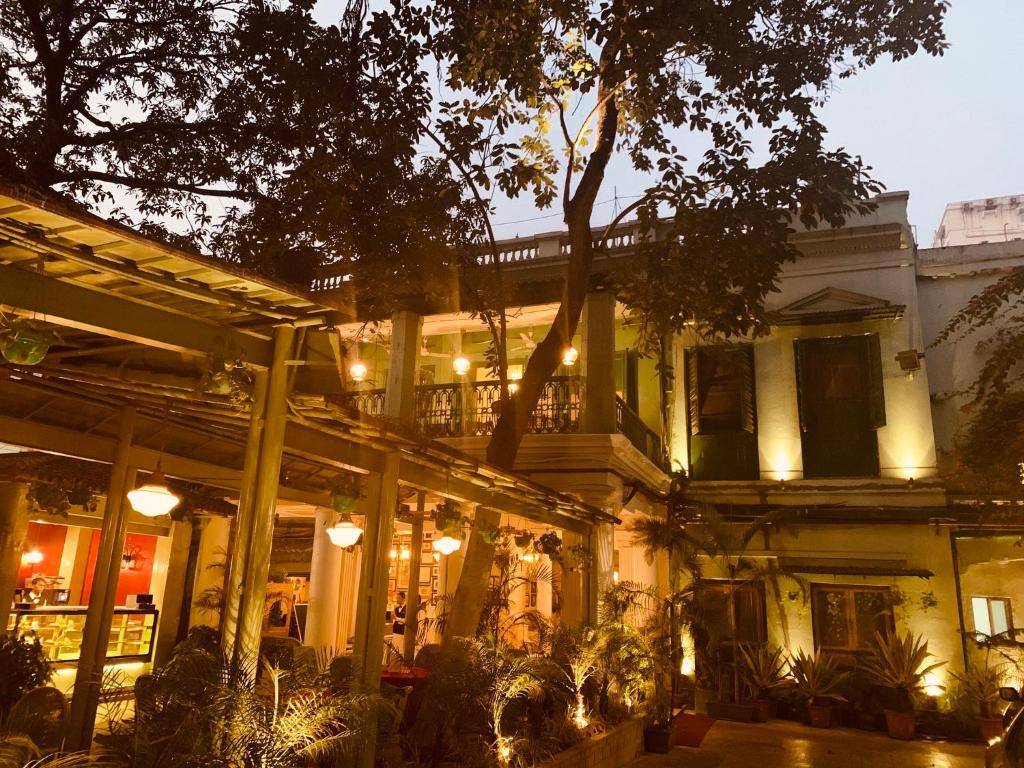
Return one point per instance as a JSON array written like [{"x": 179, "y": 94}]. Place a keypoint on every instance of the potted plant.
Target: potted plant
[
  {"x": 24, "y": 342},
  {"x": 23, "y": 666},
  {"x": 763, "y": 669},
  {"x": 816, "y": 678},
  {"x": 981, "y": 687},
  {"x": 900, "y": 664}
]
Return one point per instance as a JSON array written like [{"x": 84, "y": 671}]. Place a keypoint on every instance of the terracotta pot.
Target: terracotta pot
[
  {"x": 991, "y": 727},
  {"x": 821, "y": 715},
  {"x": 762, "y": 710},
  {"x": 900, "y": 725}
]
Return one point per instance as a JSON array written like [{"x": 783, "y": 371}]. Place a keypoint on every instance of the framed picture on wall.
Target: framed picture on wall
[
  {"x": 392, "y": 585},
  {"x": 425, "y": 574}
]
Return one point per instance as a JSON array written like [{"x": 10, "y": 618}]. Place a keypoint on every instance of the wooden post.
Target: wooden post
[
  {"x": 13, "y": 530},
  {"x": 242, "y": 528},
  {"x": 257, "y": 569},
  {"x": 98, "y": 618},
  {"x": 174, "y": 592},
  {"x": 415, "y": 557}
]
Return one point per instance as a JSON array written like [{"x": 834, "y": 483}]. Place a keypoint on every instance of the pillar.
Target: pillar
[
  {"x": 173, "y": 591},
  {"x": 378, "y": 509},
  {"x": 602, "y": 566},
  {"x": 13, "y": 530},
  {"x": 413, "y": 590},
  {"x": 238, "y": 551},
  {"x": 257, "y": 566},
  {"x": 544, "y": 589},
  {"x": 211, "y": 568},
  {"x": 99, "y": 615},
  {"x": 351, "y": 565},
  {"x": 573, "y": 606},
  {"x": 324, "y": 585},
  {"x": 597, "y": 360}
]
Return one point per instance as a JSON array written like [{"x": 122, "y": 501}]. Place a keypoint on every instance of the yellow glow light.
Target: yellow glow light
[
  {"x": 344, "y": 533},
  {"x": 686, "y": 667},
  {"x": 446, "y": 544},
  {"x": 580, "y": 715},
  {"x": 154, "y": 498},
  {"x": 358, "y": 371},
  {"x": 461, "y": 365},
  {"x": 570, "y": 356},
  {"x": 393, "y": 554},
  {"x": 405, "y": 554},
  {"x": 932, "y": 685},
  {"x": 32, "y": 557}
]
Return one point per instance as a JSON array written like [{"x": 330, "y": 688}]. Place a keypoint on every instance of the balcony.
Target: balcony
[{"x": 471, "y": 409}]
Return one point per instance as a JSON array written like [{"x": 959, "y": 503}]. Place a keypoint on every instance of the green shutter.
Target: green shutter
[
  {"x": 746, "y": 353},
  {"x": 799, "y": 353},
  {"x": 693, "y": 389},
  {"x": 876, "y": 388}
]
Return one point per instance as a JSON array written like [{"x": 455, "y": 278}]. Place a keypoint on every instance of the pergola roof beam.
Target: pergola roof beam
[{"x": 99, "y": 312}]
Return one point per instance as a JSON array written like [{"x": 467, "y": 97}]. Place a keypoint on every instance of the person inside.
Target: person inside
[
  {"x": 37, "y": 591},
  {"x": 398, "y": 627}
]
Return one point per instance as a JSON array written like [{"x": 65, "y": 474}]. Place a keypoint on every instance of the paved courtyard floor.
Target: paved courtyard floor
[{"x": 782, "y": 744}]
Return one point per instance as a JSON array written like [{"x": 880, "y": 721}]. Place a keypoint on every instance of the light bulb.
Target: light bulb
[
  {"x": 570, "y": 356},
  {"x": 461, "y": 365},
  {"x": 447, "y": 544},
  {"x": 32, "y": 557},
  {"x": 405, "y": 553},
  {"x": 393, "y": 554},
  {"x": 154, "y": 498},
  {"x": 357, "y": 371}
]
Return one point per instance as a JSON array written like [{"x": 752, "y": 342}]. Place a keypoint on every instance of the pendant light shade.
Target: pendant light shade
[
  {"x": 153, "y": 498},
  {"x": 344, "y": 533},
  {"x": 447, "y": 544}
]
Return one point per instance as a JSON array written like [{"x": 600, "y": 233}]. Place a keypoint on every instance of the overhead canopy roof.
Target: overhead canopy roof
[{"x": 137, "y": 321}]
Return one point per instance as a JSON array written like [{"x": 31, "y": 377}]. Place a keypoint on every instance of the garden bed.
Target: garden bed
[{"x": 611, "y": 749}]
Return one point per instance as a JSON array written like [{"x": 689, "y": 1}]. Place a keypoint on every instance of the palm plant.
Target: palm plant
[
  {"x": 764, "y": 669},
  {"x": 981, "y": 686},
  {"x": 901, "y": 664},
  {"x": 816, "y": 677}
]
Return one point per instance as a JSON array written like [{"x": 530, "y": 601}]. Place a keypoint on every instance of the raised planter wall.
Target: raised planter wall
[{"x": 613, "y": 748}]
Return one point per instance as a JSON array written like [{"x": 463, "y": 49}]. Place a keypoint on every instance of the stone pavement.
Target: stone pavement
[{"x": 782, "y": 744}]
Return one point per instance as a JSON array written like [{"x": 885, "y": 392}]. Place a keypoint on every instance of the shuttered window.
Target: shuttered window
[
  {"x": 841, "y": 399},
  {"x": 722, "y": 412}
]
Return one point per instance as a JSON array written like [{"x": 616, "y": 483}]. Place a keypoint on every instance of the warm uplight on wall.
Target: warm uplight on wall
[
  {"x": 357, "y": 371},
  {"x": 932, "y": 685},
  {"x": 570, "y": 356},
  {"x": 32, "y": 557},
  {"x": 686, "y": 666},
  {"x": 461, "y": 365}
]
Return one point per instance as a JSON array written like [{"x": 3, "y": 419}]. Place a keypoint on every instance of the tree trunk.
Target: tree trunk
[{"x": 512, "y": 421}]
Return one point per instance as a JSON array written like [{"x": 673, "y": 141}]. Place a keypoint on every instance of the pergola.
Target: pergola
[{"x": 137, "y": 322}]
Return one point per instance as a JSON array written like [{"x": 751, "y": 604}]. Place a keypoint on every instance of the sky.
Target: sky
[{"x": 944, "y": 128}]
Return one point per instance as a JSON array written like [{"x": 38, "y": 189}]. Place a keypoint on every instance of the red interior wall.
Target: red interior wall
[
  {"x": 48, "y": 539},
  {"x": 128, "y": 582}
]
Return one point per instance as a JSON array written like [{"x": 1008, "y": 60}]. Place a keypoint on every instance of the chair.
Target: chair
[{"x": 41, "y": 714}]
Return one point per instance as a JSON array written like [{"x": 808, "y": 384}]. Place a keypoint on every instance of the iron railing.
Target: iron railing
[{"x": 461, "y": 410}]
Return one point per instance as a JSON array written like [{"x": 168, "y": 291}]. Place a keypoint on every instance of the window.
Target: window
[
  {"x": 736, "y": 611},
  {"x": 847, "y": 618},
  {"x": 626, "y": 378},
  {"x": 722, "y": 412},
  {"x": 992, "y": 617},
  {"x": 841, "y": 404}
]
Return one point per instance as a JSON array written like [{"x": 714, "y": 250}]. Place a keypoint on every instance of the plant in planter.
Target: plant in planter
[
  {"x": 23, "y": 666},
  {"x": 24, "y": 342},
  {"x": 981, "y": 688},
  {"x": 549, "y": 544},
  {"x": 900, "y": 663},
  {"x": 816, "y": 679},
  {"x": 763, "y": 670}
]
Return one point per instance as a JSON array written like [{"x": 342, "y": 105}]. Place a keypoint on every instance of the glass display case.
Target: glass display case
[{"x": 59, "y": 630}]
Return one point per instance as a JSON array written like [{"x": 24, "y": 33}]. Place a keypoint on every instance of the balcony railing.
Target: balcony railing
[{"x": 462, "y": 410}]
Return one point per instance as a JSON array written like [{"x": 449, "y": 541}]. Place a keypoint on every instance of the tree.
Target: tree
[
  {"x": 715, "y": 101},
  {"x": 989, "y": 449},
  {"x": 239, "y": 126}
]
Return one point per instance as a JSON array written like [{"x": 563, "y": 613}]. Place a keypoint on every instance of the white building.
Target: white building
[{"x": 989, "y": 220}]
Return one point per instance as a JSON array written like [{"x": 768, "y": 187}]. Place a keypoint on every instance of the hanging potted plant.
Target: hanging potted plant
[
  {"x": 549, "y": 544},
  {"x": 523, "y": 539},
  {"x": 816, "y": 678},
  {"x": 900, "y": 664},
  {"x": 764, "y": 670},
  {"x": 25, "y": 342},
  {"x": 345, "y": 493}
]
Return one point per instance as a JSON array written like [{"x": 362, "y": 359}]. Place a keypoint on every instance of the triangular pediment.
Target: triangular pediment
[{"x": 837, "y": 305}]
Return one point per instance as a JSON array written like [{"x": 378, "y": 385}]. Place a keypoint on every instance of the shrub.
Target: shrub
[{"x": 23, "y": 666}]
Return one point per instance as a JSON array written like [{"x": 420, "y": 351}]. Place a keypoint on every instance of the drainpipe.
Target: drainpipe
[{"x": 959, "y": 596}]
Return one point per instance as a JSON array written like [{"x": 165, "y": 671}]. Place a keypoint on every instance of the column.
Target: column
[
  {"x": 351, "y": 565},
  {"x": 544, "y": 590},
  {"x": 597, "y": 360},
  {"x": 413, "y": 590},
  {"x": 602, "y": 566},
  {"x": 324, "y": 584},
  {"x": 241, "y": 531},
  {"x": 211, "y": 567},
  {"x": 257, "y": 567},
  {"x": 378, "y": 508},
  {"x": 171, "y": 601},
  {"x": 13, "y": 530},
  {"x": 99, "y": 616}
]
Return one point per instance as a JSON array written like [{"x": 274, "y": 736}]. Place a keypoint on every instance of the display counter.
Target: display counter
[{"x": 59, "y": 630}]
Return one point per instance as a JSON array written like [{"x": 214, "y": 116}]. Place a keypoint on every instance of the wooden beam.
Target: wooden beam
[{"x": 104, "y": 313}]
